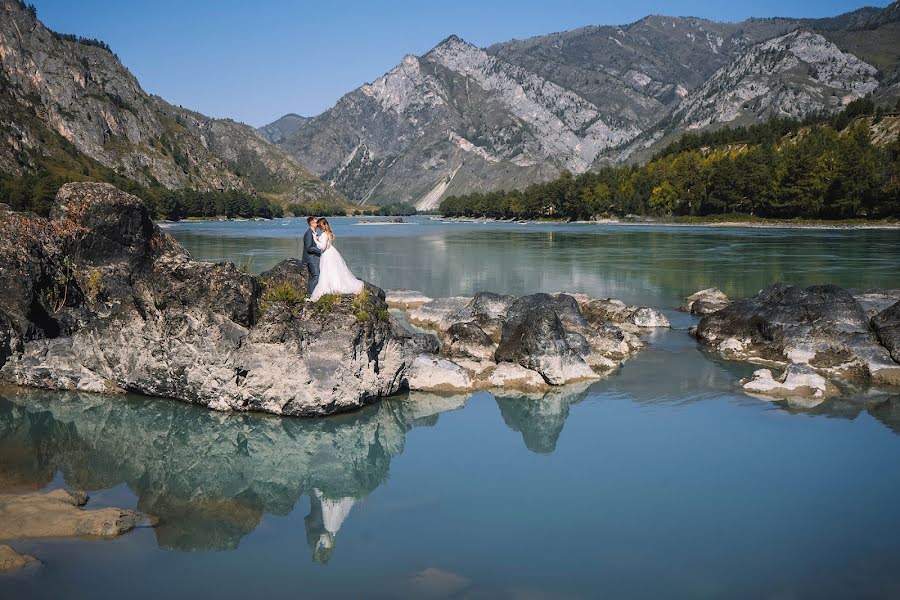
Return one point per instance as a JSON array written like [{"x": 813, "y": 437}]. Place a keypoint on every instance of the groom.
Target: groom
[{"x": 311, "y": 254}]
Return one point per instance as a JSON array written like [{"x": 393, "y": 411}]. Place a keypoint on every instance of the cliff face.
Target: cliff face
[
  {"x": 61, "y": 98},
  {"x": 461, "y": 118}
]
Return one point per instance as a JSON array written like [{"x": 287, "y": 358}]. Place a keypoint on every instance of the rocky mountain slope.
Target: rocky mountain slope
[
  {"x": 461, "y": 118},
  {"x": 62, "y": 99}
]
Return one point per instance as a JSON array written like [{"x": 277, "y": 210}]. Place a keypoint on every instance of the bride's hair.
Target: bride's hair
[{"x": 326, "y": 227}]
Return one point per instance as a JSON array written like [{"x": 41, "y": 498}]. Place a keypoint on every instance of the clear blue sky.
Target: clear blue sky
[{"x": 254, "y": 61}]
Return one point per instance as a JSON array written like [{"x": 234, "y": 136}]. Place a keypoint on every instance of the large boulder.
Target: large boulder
[
  {"x": 820, "y": 326},
  {"x": 105, "y": 301},
  {"x": 535, "y": 338}
]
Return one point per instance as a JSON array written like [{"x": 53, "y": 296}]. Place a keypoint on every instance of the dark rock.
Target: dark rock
[
  {"x": 565, "y": 307},
  {"x": 469, "y": 340},
  {"x": 427, "y": 342},
  {"x": 534, "y": 337},
  {"x": 290, "y": 271},
  {"x": 822, "y": 326},
  {"x": 887, "y": 327}
]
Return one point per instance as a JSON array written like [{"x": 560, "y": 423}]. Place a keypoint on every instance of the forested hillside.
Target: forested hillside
[{"x": 839, "y": 167}]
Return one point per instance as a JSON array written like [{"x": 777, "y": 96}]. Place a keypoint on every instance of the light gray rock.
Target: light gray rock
[
  {"x": 706, "y": 302},
  {"x": 406, "y": 299},
  {"x": 438, "y": 375},
  {"x": 797, "y": 381},
  {"x": 649, "y": 317}
]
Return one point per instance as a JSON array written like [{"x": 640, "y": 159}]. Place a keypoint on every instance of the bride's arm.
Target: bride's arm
[{"x": 322, "y": 241}]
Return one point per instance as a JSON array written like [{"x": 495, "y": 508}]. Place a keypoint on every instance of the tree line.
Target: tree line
[{"x": 826, "y": 169}]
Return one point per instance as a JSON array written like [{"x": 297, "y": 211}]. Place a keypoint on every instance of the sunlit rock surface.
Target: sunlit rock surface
[
  {"x": 97, "y": 298},
  {"x": 824, "y": 329}
]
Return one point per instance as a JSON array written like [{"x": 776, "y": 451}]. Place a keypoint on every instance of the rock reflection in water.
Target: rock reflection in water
[
  {"x": 540, "y": 419},
  {"x": 209, "y": 477}
]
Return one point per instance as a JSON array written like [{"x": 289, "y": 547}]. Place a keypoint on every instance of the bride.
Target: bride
[{"x": 335, "y": 277}]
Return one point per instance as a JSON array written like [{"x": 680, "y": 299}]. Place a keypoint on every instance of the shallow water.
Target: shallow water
[{"x": 662, "y": 481}]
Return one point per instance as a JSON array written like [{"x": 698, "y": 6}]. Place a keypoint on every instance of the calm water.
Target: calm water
[{"x": 662, "y": 481}]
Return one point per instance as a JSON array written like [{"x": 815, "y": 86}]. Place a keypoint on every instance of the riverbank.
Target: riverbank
[{"x": 737, "y": 221}]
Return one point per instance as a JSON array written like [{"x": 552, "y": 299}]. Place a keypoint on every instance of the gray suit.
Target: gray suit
[{"x": 311, "y": 255}]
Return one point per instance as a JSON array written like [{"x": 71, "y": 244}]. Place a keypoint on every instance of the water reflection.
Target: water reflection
[
  {"x": 209, "y": 477},
  {"x": 212, "y": 477},
  {"x": 540, "y": 419}
]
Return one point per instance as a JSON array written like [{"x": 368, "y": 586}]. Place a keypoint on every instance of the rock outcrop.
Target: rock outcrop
[
  {"x": 530, "y": 343},
  {"x": 820, "y": 330},
  {"x": 97, "y": 298}
]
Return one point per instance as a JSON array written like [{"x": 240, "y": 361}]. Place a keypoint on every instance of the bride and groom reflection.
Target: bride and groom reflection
[{"x": 211, "y": 477}]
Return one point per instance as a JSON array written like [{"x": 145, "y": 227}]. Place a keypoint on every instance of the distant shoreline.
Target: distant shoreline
[{"x": 699, "y": 222}]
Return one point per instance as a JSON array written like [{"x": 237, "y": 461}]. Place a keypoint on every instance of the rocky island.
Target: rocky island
[
  {"x": 817, "y": 336},
  {"x": 98, "y": 298}
]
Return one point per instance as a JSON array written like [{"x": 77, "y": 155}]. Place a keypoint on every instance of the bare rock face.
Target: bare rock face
[
  {"x": 100, "y": 299},
  {"x": 59, "y": 514},
  {"x": 10, "y": 560},
  {"x": 822, "y": 327}
]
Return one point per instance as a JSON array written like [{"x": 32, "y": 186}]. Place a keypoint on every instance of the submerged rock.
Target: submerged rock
[
  {"x": 10, "y": 560},
  {"x": 59, "y": 514},
  {"x": 822, "y": 327},
  {"x": 97, "y": 298}
]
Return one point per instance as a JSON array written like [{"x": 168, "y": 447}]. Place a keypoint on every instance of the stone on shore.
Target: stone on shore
[
  {"x": 59, "y": 514},
  {"x": 438, "y": 375},
  {"x": 530, "y": 342},
  {"x": 435, "y": 314},
  {"x": 649, "y": 317},
  {"x": 536, "y": 339},
  {"x": 10, "y": 560}
]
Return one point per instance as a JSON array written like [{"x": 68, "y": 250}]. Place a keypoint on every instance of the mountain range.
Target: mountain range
[
  {"x": 457, "y": 119},
  {"x": 462, "y": 118}
]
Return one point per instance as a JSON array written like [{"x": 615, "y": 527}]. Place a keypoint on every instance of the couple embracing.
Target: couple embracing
[{"x": 328, "y": 273}]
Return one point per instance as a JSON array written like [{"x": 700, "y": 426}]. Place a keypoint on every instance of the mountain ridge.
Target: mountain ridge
[
  {"x": 461, "y": 118},
  {"x": 54, "y": 84}
]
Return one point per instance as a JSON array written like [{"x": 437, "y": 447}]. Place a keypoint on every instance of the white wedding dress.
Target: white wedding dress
[{"x": 334, "y": 275}]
